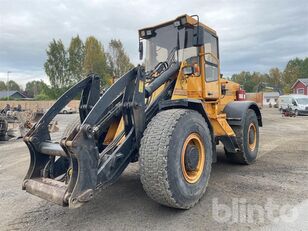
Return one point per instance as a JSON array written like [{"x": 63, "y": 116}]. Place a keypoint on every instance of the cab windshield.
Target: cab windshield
[
  {"x": 168, "y": 44},
  {"x": 302, "y": 101}
]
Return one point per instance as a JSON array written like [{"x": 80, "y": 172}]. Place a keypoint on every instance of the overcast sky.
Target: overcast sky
[{"x": 255, "y": 35}]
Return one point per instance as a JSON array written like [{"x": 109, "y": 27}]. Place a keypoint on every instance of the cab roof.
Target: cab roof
[{"x": 188, "y": 19}]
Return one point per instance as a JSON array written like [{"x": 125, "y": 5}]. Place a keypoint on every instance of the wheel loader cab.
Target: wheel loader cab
[{"x": 195, "y": 46}]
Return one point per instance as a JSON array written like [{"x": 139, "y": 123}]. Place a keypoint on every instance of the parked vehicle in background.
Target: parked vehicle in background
[
  {"x": 67, "y": 110},
  {"x": 288, "y": 112},
  {"x": 297, "y": 103}
]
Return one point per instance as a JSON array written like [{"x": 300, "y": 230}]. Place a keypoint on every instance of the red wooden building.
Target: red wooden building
[{"x": 300, "y": 87}]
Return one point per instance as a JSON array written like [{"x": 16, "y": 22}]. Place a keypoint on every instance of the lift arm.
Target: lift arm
[{"x": 68, "y": 172}]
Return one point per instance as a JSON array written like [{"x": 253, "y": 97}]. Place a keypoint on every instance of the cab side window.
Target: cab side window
[
  {"x": 294, "y": 102},
  {"x": 211, "y": 63}
]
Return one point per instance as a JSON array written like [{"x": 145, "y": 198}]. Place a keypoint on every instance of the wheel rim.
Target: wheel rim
[
  {"x": 252, "y": 136},
  {"x": 193, "y": 158}
]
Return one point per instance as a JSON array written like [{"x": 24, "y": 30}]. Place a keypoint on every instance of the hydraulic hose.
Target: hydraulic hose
[{"x": 162, "y": 79}]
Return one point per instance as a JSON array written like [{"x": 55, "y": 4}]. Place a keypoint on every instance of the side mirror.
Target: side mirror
[
  {"x": 198, "y": 36},
  {"x": 140, "y": 50},
  {"x": 294, "y": 103}
]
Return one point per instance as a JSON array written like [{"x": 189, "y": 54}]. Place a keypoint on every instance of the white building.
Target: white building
[{"x": 270, "y": 98}]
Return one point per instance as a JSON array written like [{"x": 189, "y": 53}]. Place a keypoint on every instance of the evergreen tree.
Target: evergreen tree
[
  {"x": 304, "y": 68},
  {"x": 291, "y": 73}
]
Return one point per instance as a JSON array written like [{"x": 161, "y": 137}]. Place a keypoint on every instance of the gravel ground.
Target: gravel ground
[{"x": 280, "y": 177}]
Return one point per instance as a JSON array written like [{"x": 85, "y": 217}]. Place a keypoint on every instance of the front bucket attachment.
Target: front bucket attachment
[
  {"x": 68, "y": 171},
  {"x": 64, "y": 172}
]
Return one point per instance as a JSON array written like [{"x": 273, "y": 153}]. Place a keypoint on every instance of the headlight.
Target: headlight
[
  {"x": 149, "y": 32},
  {"x": 142, "y": 33},
  {"x": 177, "y": 23}
]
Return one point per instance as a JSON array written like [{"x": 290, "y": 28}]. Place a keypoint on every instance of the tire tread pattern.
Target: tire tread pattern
[
  {"x": 153, "y": 157},
  {"x": 240, "y": 157}
]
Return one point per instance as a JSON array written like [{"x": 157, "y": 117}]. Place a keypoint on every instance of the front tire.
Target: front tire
[
  {"x": 247, "y": 137},
  {"x": 175, "y": 158}
]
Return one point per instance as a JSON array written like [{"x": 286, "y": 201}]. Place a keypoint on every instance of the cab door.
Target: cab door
[{"x": 211, "y": 66}]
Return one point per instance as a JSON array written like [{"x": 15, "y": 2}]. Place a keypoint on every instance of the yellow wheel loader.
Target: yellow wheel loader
[{"x": 169, "y": 114}]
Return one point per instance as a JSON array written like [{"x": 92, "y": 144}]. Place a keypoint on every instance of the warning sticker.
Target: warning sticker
[{"x": 141, "y": 86}]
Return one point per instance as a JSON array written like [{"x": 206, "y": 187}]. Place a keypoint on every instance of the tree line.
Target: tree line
[
  {"x": 275, "y": 79},
  {"x": 11, "y": 85},
  {"x": 66, "y": 66}
]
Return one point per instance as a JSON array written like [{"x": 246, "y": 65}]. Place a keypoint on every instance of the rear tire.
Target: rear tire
[
  {"x": 175, "y": 158},
  {"x": 247, "y": 137}
]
